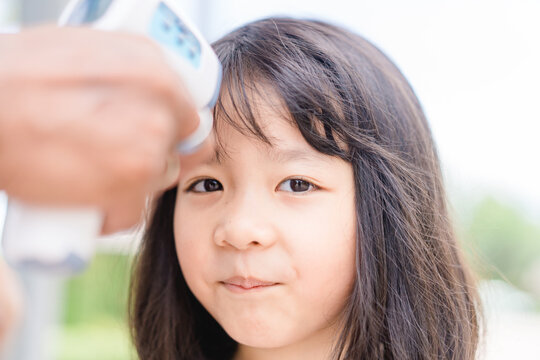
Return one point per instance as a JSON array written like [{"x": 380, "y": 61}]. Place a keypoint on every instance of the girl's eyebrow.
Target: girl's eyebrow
[
  {"x": 216, "y": 158},
  {"x": 278, "y": 155}
]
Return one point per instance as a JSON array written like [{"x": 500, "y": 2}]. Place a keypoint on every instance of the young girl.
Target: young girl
[{"x": 320, "y": 228}]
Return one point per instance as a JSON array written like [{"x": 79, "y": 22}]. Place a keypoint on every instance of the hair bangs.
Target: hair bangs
[
  {"x": 250, "y": 78},
  {"x": 236, "y": 103}
]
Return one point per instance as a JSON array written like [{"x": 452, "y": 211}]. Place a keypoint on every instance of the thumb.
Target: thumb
[{"x": 123, "y": 215}]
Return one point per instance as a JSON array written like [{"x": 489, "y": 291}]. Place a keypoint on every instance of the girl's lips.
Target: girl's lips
[{"x": 241, "y": 284}]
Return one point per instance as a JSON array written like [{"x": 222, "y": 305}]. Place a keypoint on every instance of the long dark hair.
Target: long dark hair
[{"x": 413, "y": 297}]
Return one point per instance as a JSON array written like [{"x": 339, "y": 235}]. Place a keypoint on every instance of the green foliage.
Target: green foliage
[
  {"x": 101, "y": 339},
  {"x": 95, "y": 319},
  {"x": 100, "y": 292},
  {"x": 502, "y": 243}
]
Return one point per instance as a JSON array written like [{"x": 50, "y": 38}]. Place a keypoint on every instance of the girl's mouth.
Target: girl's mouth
[{"x": 239, "y": 284}]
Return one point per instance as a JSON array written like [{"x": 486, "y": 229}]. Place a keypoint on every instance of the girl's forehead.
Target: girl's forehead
[
  {"x": 254, "y": 106},
  {"x": 258, "y": 112},
  {"x": 284, "y": 143},
  {"x": 266, "y": 130}
]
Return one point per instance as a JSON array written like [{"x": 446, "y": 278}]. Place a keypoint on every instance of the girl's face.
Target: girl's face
[{"x": 265, "y": 236}]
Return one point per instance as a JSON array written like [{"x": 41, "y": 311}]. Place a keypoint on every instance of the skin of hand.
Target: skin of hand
[
  {"x": 89, "y": 117},
  {"x": 11, "y": 303}
]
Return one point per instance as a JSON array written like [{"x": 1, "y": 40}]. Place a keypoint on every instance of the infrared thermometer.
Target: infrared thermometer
[{"x": 62, "y": 240}]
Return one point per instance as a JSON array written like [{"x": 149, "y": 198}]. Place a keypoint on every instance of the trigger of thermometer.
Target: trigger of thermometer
[{"x": 62, "y": 240}]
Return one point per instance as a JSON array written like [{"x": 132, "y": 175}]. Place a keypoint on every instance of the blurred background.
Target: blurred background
[{"x": 474, "y": 66}]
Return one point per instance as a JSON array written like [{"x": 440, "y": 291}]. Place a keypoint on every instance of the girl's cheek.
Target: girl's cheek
[{"x": 192, "y": 234}]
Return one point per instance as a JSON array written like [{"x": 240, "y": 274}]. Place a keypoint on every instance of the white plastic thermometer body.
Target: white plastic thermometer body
[{"x": 62, "y": 240}]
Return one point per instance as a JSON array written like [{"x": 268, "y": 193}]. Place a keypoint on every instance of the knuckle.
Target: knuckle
[
  {"x": 163, "y": 82},
  {"x": 142, "y": 165},
  {"x": 160, "y": 127},
  {"x": 139, "y": 168}
]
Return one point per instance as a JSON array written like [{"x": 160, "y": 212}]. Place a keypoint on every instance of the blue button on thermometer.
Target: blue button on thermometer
[{"x": 62, "y": 240}]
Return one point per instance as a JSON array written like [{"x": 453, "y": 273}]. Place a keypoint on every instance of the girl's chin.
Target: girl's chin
[{"x": 257, "y": 339}]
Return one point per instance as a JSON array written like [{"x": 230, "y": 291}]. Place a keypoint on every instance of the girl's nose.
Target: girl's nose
[{"x": 246, "y": 225}]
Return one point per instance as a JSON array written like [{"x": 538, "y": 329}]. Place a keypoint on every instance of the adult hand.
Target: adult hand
[{"x": 89, "y": 118}]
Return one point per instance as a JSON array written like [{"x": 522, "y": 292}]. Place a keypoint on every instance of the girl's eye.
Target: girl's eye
[
  {"x": 296, "y": 185},
  {"x": 205, "y": 185}
]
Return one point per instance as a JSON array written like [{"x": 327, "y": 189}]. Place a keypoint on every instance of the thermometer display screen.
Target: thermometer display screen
[
  {"x": 88, "y": 11},
  {"x": 170, "y": 31}
]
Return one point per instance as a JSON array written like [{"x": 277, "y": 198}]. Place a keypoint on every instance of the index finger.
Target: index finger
[{"x": 183, "y": 109}]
